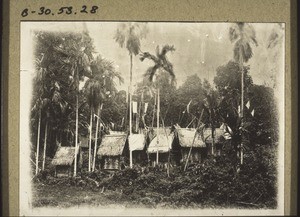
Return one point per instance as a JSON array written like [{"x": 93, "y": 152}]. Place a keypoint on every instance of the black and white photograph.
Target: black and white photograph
[{"x": 151, "y": 118}]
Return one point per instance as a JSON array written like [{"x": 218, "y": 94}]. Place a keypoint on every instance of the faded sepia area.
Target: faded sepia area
[{"x": 151, "y": 118}]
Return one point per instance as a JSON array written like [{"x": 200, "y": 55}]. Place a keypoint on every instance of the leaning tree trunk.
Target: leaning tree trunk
[
  {"x": 96, "y": 140},
  {"x": 45, "y": 146},
  {"x": 38, "y": 146},
  {"x": 90, "y": 139}
]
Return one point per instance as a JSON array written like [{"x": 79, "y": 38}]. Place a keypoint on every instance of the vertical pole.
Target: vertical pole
[
  {"x": 45, "y": 146},
  {"x": 212, "y": 134},
  {"x": 242, "y": 106},
  {"x": 157, "y": 125},
  {"x": 130, "y": 97},
  {"x": 90, "y": 140},
  {"x": 38, "y": 145},
  {"x": 154, "y": 110},
  {"x": 130, "y": 109},
  {"x": 96, "y": 140},
  {"x": 76, "y": 127}
]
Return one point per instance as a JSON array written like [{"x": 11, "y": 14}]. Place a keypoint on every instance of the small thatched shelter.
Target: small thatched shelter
[
  {"x": 137, "y": 144},
  {"x": 163, "y": 146},
  {"x": 220, "y": 136},
  {"x": 64, "y": 161},
  {"x": 189, "y": 138},
  {"x": 113, "y": 150}
]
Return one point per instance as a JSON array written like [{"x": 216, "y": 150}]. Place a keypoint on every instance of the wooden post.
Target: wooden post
[
  {"x": 96, "y": 140},
  {"x": 90, "y": 140},
  {"x": 38, "y": 145},
  {"x": 242, "y": 105},
  {"x": 130, "y": 155},
  {"x": 45, "y": 146},
  {"x": 157, "y": 125},
  {"x": 76, "y": 123},
  {"x": 130, "y": 98}
]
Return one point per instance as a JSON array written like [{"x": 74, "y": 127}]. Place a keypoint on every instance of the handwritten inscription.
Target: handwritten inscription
[{"x": 68, "y": 10}]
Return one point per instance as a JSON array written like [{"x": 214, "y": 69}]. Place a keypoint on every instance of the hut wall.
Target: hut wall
[
  {"x": 139, "y": 157},
  {"x": 197, "y": 154},
  {"x": 63, "y": 171},
  {"x": 162, "y": 158},
  {"x": 111, "y": 163}
]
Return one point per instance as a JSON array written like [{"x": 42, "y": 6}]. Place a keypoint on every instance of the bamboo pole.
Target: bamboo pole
[
  {"x": 96, "y": 140},
  {"x": 76, "y": 124},
  {"x": 130, "y": 97},
  {"x": 38, "y": 145},
  {"x": 90, "y": 140},
  {"x": 242, "y": 105},
  {"x": 45, "y": 146},
  {"x": 130, "y": 109},
  {"x": 157, "y": 126}
]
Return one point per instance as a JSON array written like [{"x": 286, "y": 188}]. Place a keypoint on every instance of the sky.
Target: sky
[{"x": 200, "y": 47}]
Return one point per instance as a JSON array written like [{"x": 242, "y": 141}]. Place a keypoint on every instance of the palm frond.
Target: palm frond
[
  {"x": 151, "y": 72},
  {"x": 242, "y": 49},
  {"x": 233, "y": 33},
  {"x": 147, "y": 55},
  {"x": 166, "y": 49}
]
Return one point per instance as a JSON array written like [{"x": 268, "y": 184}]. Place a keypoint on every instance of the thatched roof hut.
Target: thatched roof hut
[
  {"x": 64, "y": 156},
  {"x": 218, "y": 135},
  {"x": 186, "y": 138},
  {"x": 137, "y": 142},
  {"x": 112, "y": 145},
  {"x": 165, "y": 139}
]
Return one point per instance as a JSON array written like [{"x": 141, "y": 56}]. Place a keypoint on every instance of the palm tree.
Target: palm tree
[
  {"x": 130, "y": 35},
  {"x": 211, "y": 104},
  {"x": 161, "y": 63},
  {"x": 242, "y": 35},
  {"x": 77, "y": 56},
  {"x": 100, "y": 86}
]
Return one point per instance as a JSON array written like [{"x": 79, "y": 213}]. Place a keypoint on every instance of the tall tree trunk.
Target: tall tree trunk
[
  {"x": 90, "y": 139},
  {"x": 96, "y": 140},
  {"x": 212, "y": 134},
  {"x": 157, "y": 125},
  {"x": 76, "y": 127},
  {"x": 130, "y": 109},
  {"x": 45, "y": 146},
  {"x": 38, "y": 145},
  {"x": 130, "y": 97},
  {"x": 242, "y": 107},
  {"x": 153, "y": 117}
]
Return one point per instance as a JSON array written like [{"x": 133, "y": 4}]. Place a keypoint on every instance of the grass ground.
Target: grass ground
[{"x": 214, "y": 183}]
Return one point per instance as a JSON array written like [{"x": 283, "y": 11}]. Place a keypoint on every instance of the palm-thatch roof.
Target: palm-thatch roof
[
  {"x": 137, "y": 142},
  {"x": 64, "y": 156},
  {"x": 218, "y": 135},
  {"x": 112, "y": 145},
  {"x": 165, "y": 140},
  {"x": 186, "y": 138},
  {"x": 153, "y": 131}
]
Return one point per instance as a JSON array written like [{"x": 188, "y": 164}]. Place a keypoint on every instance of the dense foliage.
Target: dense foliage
[{"x": 213, "y": 183}]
